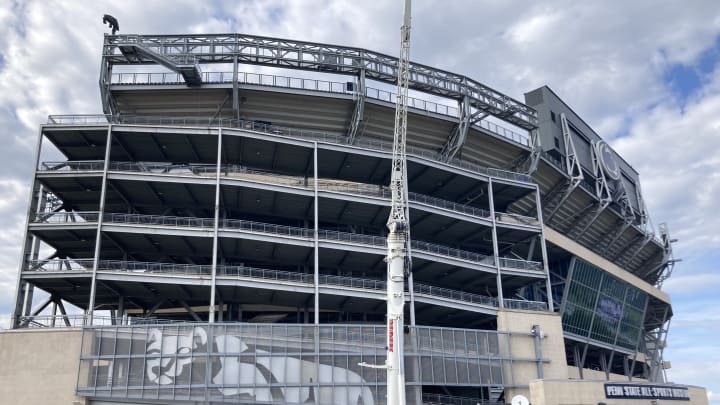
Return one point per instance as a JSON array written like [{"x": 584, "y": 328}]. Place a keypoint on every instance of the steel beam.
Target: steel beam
[
  {"x": 357, "y": 120},
  {"x": 459, "y": 132}
]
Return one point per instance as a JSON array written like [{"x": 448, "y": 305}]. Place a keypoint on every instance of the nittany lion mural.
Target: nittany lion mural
[{"x": 251, "y": 373}]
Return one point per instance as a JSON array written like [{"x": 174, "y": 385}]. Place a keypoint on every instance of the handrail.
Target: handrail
[
  {"x": 148, "y": 78},
  {"x": 239, "y": 171},
  {"x": 135, "y": 78},
  {"x": 454, "y": 294},
  {"x": 264, "y": 127},
  {"x": 65, "y": 217},
  {"x": 519, "y": 264},
  {"x": 73, "y": 165},
  {"x": 61, "y": 265},
  {"x": 162, "y": 220},
  {"x": 525, "y": 305},
  {"x": 284, "y": 230},
  {"x": 262, "y": 227},
  {"x": 510, "y": 218}
]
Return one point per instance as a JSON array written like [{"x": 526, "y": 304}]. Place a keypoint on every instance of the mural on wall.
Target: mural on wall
[{"x": 248, "y": 372}]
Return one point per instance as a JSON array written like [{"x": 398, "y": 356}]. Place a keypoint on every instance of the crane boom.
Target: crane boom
[{"x": 398, "y": 241}]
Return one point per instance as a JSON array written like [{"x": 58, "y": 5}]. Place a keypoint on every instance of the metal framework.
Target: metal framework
[{"x": 183, "y": 51}]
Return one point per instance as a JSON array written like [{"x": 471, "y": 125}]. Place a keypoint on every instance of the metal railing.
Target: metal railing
[
  {"x": 264, "y": 274},
  {"x": 65, "y": 217},
  {"x": 209, "y": 170},
  {"x": 366, "y": 143},
  {"x": 352, "y": 282},
  {"x": 439, "y": 399},
  {"x": 73, "y": 165},
  {"x": 162, "y": 220},
  {"x": 53, "y": 265},
  {"x": 413, "y": 102},
  {"x": 262, "y": 227},
  {"x": 232, "y": 271},
  {"x": 441, "y": 250},
  {"x": 154, "y": 267},
  {"x": 53, "y": 321},
  {"x": 384, "y": 192},
  {"x": 454, "y": 295},
  {"x": 312, "y": 85},
  {"x": 363, "y": 239},
  {"x": 519, "y": 264},
  {"x": 509, "y": 218},
  {"x": 525, "y": 305},
  {"x": 282, "y": 230}
]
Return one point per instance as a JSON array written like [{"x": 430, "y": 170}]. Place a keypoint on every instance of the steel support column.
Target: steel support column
[
  {"x": 23, "y": 290},
  {"x": 316, "y": 270},
  {"x": 457, "y": 136},
  {"x": 498, "y": 280},
  {"x": 357, "y": 123},
  {"x": 216, "y": 226},
  {"x": 543, "y": 248},
  {"x": 90, "y": 312}
]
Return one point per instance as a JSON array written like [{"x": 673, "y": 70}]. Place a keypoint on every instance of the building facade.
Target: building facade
[{"x": 223, "y": 233}]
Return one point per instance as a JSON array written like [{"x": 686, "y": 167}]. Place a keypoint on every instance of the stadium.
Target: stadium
[{"x": 222, "y": 231}]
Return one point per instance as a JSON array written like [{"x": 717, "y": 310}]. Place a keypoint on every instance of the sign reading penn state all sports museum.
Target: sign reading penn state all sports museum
[{"x": 642, "y": 391}]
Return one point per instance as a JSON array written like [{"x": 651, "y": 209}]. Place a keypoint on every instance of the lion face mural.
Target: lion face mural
[
  {"x": 246, "y": 372},
  {"x": 175, "y": 351}
]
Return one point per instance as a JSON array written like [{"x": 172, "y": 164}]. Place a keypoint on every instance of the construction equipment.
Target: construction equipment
[{"x": 398, "y": 241}]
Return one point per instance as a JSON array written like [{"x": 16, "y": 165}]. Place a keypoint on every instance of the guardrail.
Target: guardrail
[
  {"x": 144, "y": 78},
  {"x": 73, "y": 165},
  {"x": 509, "y": 218},
  {"x": 162, "y": 220},
  {"x": 525, "y": 305},
  {"x": 255, "y": 273},
  {"x": 519, "y": 264},
  {"x": 53, "y": 265},
  {"x": 65, "y": 217},
  {"x": 262, "y": 227},
  {"x": 264, "y": 274},
  {"x": 283, "y": 230},
  {"x": 454, "y": 295},
  {"x": 439, "y": 399},
  {"x": 384, "y": 192},
  {"x": 366, "y": 143}
]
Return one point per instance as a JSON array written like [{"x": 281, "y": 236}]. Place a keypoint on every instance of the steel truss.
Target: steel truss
[
  {"x": 459, "y": 132},
  {"x": 555, "y": 199},
  {"x": 191, "y": 50},
  {"x": 667, "y": 263}
]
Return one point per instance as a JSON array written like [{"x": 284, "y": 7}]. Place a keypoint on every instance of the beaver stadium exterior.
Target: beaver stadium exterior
[{"x": 224, "y": 232}]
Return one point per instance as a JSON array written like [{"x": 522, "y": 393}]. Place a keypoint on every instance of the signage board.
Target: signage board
[{"x": 645, "y": 391}]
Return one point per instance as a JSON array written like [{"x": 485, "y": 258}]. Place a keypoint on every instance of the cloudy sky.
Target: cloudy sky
[{"x": 643, "y": 73}]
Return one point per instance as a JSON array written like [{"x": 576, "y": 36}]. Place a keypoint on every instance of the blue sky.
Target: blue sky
[{"x": 644, "y": 74}]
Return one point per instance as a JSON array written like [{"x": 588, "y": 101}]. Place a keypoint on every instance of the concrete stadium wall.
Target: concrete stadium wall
[
  {"x": 552, "y": 345},
  {"x": 39, "y": 366},
  {"x": 585, "y": 392}
]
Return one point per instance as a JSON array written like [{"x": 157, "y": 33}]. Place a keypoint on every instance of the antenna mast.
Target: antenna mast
[{"x": 398, "y": 241}]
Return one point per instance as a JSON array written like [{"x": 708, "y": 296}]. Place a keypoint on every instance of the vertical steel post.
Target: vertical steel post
[
  {"x": 496, "y": 251},
  {"x": 90, "y": 313},
  {"x": 21, "y": 293},
  {"x": 543, "y": 248},
  {"x": 316, "y": 271},
  {"x": 218, "y": 162}
]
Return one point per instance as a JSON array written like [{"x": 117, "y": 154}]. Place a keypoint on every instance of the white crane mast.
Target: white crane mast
[{"x": 398, "y": 241}]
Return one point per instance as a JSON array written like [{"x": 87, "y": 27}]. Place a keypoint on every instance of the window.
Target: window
[{"x": 552, "y": 116}]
